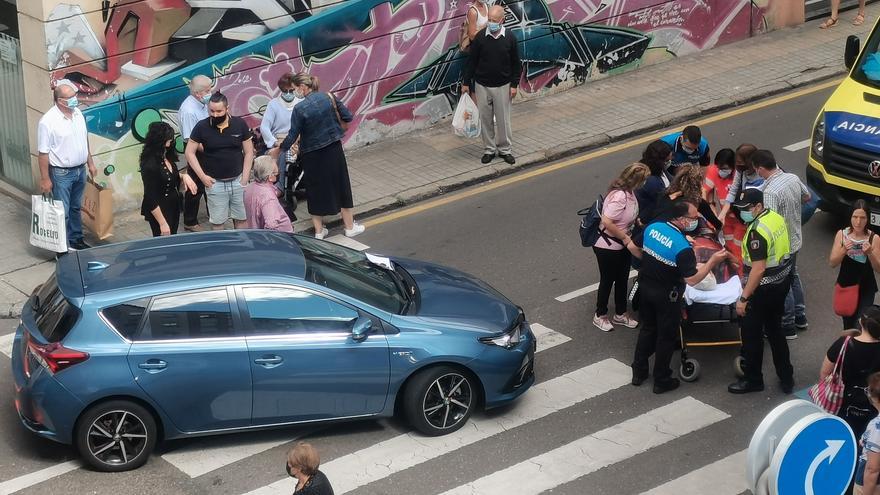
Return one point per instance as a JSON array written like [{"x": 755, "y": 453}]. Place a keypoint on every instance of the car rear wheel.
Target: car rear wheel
[
  {"x": 116, "y": 436},
  {"x": 439, "y": 400}
]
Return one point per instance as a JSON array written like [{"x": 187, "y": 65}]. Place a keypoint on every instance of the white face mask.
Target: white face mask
[{"x": 724, "y": 173}]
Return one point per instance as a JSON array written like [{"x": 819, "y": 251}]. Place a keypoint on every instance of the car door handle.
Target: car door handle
[
  {"x": 269, "y": 361},
  {"x": 153, "y": 365}
]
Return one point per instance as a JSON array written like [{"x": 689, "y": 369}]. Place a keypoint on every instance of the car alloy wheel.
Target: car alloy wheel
[
  {"x": 116, "y": 436},
  {"x": 447, "y": 401}
]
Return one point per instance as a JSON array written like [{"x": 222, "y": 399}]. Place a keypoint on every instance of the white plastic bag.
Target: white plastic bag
[
  {"x": 466, "y": 119},
  {"x": 48, "y": 224}
]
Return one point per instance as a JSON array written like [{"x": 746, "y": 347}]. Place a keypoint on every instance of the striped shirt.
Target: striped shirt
[{"x": 782, "y": 194}]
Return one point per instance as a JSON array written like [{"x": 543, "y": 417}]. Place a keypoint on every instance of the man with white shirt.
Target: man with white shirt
[
  {"x": 193, "y": 109},
  {"x": 63, "y": 155}
]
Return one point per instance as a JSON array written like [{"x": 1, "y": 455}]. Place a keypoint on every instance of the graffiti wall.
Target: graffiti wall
[{"x": 394, "y": 63}]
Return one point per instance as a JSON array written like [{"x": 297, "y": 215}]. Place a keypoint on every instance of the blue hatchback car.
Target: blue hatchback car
[{"x": 216, "y": 332}]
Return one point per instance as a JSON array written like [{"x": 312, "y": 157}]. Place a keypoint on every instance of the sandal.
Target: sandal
[
  {"x": 859, "y": 20},
  {"x": 829, "y": 23}
]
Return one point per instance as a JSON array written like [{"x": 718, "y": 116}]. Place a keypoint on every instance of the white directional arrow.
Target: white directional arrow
[{"x": 829, "y": 453}]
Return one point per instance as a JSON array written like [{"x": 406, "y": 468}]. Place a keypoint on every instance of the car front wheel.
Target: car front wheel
[
  {"x": 116, "y": 436},
  {"x": 439, "y": 400}
]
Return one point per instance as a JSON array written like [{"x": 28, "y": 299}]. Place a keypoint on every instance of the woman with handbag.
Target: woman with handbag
[
  {"x": 850, "y": 360},
  {"x": 855, "y": 250},
  {"x": 319, "y": 121}
]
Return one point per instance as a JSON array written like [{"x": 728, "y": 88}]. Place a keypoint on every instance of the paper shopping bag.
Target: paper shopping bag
[
  {"x": 97, "y": 210},
  {"x": 48, "y": 224}
]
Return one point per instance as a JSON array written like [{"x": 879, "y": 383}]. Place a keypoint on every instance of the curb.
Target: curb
[{"x": 11, "y": 310}]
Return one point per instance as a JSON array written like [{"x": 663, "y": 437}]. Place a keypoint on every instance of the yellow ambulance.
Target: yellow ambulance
[{"x": 844, "y": 160}]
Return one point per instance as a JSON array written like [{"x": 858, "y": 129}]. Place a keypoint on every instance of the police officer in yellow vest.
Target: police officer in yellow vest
[{"x": 768, "y": 271}]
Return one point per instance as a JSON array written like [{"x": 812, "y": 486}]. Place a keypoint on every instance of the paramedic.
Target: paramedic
[
  {"x": 768, "y": 269},
  {"x": 668, "y": 262}
]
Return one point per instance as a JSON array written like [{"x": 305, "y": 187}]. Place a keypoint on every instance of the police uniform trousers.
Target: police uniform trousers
[
  {"x": 764, "y": 317},
  {"x": 660, "y": 316}
]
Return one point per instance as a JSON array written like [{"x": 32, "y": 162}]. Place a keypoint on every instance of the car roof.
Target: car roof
[{"x": 181, "y": 257}]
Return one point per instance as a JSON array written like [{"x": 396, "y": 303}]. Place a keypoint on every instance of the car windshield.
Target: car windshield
[
  {"x": 349, "y": 272},
  {"x": 867, "y": 69}
]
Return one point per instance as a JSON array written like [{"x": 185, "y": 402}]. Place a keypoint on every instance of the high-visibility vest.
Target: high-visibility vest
[{"x": 771, "y": 226}]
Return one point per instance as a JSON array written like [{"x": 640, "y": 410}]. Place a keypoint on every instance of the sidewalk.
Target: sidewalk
[{"x": 393, "y": 173}]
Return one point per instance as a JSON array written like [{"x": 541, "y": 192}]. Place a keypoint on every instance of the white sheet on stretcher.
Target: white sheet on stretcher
[{"x": 726, "y": 293}]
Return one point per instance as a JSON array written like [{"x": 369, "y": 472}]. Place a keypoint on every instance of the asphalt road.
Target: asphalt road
[{"x": 521, "y": 238}]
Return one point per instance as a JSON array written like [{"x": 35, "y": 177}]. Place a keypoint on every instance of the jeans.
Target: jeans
[
  {"x": 68, "y": 185},
  {"x": 660, "y": 315},
  {"x": 763, "y": 317},
  {"x": 613, "y": 270},
  {"x": 795, "y": 306}
]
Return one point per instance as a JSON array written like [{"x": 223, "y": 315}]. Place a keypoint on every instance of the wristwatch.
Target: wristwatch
[{"x": 744, "y": 299}]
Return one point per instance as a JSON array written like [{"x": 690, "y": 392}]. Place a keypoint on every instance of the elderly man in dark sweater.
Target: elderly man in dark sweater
[{"x": 495, "y": 67}]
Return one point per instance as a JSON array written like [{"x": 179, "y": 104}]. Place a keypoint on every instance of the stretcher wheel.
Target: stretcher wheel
[
  {"x": 689, "y": 370},
  {"x": 739, "y": 365}
]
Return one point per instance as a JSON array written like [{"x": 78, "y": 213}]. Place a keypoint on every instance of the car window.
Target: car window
[
  {"x": 279, "y": 310},
  {"x": 54, "y": 315},
  {"x": 193, "y": 315},
  {"x": 126, "y": 317}
]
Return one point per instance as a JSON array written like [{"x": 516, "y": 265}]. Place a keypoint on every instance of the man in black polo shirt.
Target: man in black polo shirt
[
  {"x": 495, "y": 66},
  {"x": 226, "y": 161}
]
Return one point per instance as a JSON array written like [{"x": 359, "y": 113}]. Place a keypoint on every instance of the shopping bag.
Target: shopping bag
[
  {"x": 828, "y": 393},
  {"x": 97, "y": 209},
  {"x": 48, "y": 224},
  {"x": 466, "y": 119}
]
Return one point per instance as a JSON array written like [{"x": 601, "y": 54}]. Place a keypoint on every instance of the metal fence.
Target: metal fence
[{"x": 15, "y": 160}]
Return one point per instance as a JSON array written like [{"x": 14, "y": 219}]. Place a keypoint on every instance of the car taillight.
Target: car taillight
[{"x": 55, "y": 357}]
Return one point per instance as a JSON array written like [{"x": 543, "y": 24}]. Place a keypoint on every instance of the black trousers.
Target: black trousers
[
  {"x": 613, "y": 270},
  {"x": 191, "y": 202},
  {"x": 660, "y": 316},
  {"x": 764, "y": 316}
]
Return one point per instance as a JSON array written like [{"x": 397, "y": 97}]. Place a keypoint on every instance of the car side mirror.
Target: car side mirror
[
  {"x": 852, "y": 51},
  {"x": 361, "y": 328}
]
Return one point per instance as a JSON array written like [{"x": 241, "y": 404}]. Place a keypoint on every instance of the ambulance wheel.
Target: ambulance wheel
[
  {"x": 739, "y": 365},
  {"x": 689, "y": 370}
]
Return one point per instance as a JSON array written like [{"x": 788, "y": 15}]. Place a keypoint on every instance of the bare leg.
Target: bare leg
[
  {"x": 216, "y": 226},
  {"x": 239, "y": 224},
  {"x": 347, "y": 218},
  {"x": 831, "y": 21},
  {"x": 318, "y": 223}
]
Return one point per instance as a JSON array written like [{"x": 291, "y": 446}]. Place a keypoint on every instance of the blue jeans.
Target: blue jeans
[
  {"x": 68, "y": 185},
  {"x": 795, "y": 306}
]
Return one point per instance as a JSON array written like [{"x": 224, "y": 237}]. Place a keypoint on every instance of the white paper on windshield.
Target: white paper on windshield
[{"x": 382, "y": 261}]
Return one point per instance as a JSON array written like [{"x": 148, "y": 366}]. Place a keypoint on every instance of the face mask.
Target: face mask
[
  {"x": 288, "y": 96},
  {"x": 494, "y": 27},
  {"x": 289, "y": 472},
  {"x": 299, "y": 94},
  {"x": 747, "y": 216},
  {"x": 216, "y": 121},
  {"x": 691, "y": 225},
  {"x": 724, "y": 173},
  {"x": 72, "y": 102},
  {"x": 206, "y": 98}
]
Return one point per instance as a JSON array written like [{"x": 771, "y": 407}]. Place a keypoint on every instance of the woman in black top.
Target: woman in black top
[
  {"x": 302, "y": 464},
  {"x": 161, "y": 204},
  {"x": 856, "y": 250},
  {"x": 656, "y": 157},
  {"x": 862, "y": 358}
]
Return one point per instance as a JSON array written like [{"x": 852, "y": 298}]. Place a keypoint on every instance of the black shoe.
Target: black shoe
[
  {"x": 509, "y": 159},
  {"x": 787, "y": 386},
  {"x": 80, "y": 244},
  {"x": 665, "y": 385},
  {"x": 790, "y": 333},
  {"x": 743, "y": 386},
  {"x": 487, "y": 157},
  {"x": 801, "y": 324},
  {"x": 639, "y": 378}
]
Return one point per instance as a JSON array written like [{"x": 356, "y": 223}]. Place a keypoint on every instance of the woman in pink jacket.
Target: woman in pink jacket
[{"x": 261, "y": 204}]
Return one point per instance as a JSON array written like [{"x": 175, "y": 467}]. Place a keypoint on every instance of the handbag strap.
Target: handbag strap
[
  {"x": 336, "y": 109},
  {"x": 838, "y": 363}
]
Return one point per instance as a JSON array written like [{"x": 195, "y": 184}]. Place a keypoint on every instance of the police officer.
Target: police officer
[
  {"x": 668, "y": 262},
  {"x": 768, "y": 271}
]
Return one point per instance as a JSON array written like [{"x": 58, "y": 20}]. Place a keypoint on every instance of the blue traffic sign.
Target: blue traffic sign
[{"x": 817, "y": 456}]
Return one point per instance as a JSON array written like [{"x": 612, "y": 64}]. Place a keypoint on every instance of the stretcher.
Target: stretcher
[{"x": 707, "y": 318}]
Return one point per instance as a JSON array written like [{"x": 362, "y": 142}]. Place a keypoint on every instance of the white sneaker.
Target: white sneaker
[
  {"x": 356, "y": 229},
  {"x": 602, "y": 323},
  {"x": 322, "y": 234},
  {"x": 624, "y": 320}
]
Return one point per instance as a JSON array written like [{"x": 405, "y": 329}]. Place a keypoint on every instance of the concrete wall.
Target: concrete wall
[{"x": 395, "y": 64}]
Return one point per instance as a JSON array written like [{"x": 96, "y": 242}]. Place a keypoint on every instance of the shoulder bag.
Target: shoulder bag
[
  {"x": 343, "y": 124},
  {"x": 828, "y": 393}
]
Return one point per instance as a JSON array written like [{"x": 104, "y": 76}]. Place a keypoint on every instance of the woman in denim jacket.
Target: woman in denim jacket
[{"x": 318, "y": 122}]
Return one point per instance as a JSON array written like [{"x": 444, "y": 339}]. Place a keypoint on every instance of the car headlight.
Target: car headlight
[
  {"x": 507, "y": 340},
  {"x": 818, "y": 142}
]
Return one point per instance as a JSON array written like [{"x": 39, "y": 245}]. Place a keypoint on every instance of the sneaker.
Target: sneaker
[
  {"x": 508, "y": 158},
  {"x": 356, "y": 229},
  {"x": 192, "y": 228},
  {"x": 790, "y": 333},
  {"x": 801, "y": 324},
  {"x": 602, "y": 323},
  {"x": 322, "y": 234},
  {"x": 487, "y": 157},
  {"x": 624, "y": 320},
  {"x": 80, "y": 244}
]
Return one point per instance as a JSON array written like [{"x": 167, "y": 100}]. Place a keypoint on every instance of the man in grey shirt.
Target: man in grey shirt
[{"x": 192, "y": 110}]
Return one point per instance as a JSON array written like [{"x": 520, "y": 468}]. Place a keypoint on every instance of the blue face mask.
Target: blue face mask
[
  {"x": 72, "y": 102},
  {"x": 692, "y": 225},
  {"x": 747, "y": 216},
  {"x": 206, "y": 98},
  {"x": 494, "y": 27},
  {"x": 288, "y": 96}
]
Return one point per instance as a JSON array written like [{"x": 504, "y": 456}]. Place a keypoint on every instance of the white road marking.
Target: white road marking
[
  {"x": 204, "y": 456},
  {"x": 547, "y": 337},
  {"x": 6, "y": 344},
  {"x": 347, "y": 242},
  {"x": 411, "y": 449},
  {"x": 593, "y": 452},
  {"x": 31, "y": 479},
  {"x": 723, "y": 477},
  {"x": 586, "y": 290},
  {"x": 798, "y": 146}
]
